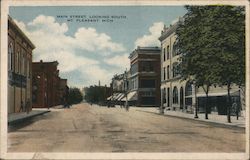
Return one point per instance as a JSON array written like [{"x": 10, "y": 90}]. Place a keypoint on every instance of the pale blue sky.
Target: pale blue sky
[{"x": 119, "y": 37}]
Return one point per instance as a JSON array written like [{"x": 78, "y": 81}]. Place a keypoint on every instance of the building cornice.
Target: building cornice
[{"x": 11, "y": 22}]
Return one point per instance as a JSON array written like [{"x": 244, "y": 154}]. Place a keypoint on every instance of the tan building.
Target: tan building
[
  {"x": 19, "y": 69},
  {"x": 180, "y": 95}
]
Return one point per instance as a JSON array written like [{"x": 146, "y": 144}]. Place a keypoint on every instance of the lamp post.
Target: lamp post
[{"x": 195, "y": 101}]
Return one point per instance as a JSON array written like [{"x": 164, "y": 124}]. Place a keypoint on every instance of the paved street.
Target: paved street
[{"x": 85, "y": 128}]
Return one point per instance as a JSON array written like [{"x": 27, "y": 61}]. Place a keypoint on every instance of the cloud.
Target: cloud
[
  {"x": 119, "y": 61},
  {"x": 52, "y": 44},
  {"x": 91, "y": 40},
  {"x": 151, "y": 39}
]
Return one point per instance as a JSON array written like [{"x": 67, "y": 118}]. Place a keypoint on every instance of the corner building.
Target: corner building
[
  {"x": 144, "y": 79},
  {"x": 19, "y": 69},
  {"x": 180, "y": 95}
]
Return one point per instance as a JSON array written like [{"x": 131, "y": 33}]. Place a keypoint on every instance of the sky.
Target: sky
[{"x": 96, "y": 45}]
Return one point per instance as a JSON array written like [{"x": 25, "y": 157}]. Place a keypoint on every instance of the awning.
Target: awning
[
  {"x": 214, "y": 94},
  {"x": 132, "y": 96},
  {"x": 120, "y": 97},
  {"x": 109, "y": 98}
]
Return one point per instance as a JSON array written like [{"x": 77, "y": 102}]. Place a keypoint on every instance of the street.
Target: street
[{"x": 86, "y": 128}]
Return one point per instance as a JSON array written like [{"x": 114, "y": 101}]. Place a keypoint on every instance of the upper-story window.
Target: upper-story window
[
  {"x": 168, "y": 72},
  {"x": 164, "y": 54},
  {"x": 168, "y": 52},
  {"x": 147, "y": 83},
  {"x": 23, "y": 64},
  {"x": 175, "y": 69},
  {"x": 10, "y": 56},
  {"x": 17, "y": 64},
  {"x": 147, "y": 66},
  {"x": 188, "y": 89},
  {"x": 164, "y": 73},
  {"x": 134, "y": 68},
  {"x": 175, "y": 49}
]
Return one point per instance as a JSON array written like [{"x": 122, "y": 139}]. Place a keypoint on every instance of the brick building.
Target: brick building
[
  {"x": 46, "y": 84},
  {"x": 19, "y": 69},
  {"x": 144, "y": 78}
]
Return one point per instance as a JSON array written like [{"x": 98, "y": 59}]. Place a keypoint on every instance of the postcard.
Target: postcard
[{"x": 124, "y": 79}]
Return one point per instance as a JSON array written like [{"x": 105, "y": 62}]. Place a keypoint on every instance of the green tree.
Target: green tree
[
  {"x": 96, "y": 94},
  {"x": 211, "y": 39},
  {"x": 75, "y": 96},
  {"x": 230, "y": 47}
]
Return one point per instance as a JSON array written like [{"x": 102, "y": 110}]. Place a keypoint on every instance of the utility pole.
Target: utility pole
[
  {"x": 195, "y": 101},
  {"x": 126, "y": 88}
]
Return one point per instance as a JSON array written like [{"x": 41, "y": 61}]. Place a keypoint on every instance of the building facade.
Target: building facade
[
  {"x": 144, "y": 79},
  {"x": 47, "y": 85},
  {"x": 117, "y": 89},
  {"x": 19, "y": 69},
  {"x": 177, "y": 94}
]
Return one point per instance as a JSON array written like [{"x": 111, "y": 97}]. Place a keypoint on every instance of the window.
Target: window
[
  {"x": 188, "y": 89},
  {"x": 164, "y": 96},
  {"x": 175, "y": 95},
  {"x": 148, "y": 83},
  {"x": 168, "y": 52},
  {"x": 164, "y": 54},
  {"x": 175, "y": 49},
  {"x": 134, "y": 68},
  {"x": 148, "y": 94},
  {"x": 147, "y": 66},
  {"x": 168, "y": 94},
  {"x": 17, "y": 61},
  {"x": 168, "y": 72},
  {"x": 23, "y": 63},
  {"x": 175, "y": 69},
  {"x": 10, "y": 56},
  {"x": 164, "y": 73}
]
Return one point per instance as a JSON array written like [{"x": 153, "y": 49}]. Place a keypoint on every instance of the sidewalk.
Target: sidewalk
[
  {"x": 18, "y": 117},
  {"x": 212, "y": 118}
]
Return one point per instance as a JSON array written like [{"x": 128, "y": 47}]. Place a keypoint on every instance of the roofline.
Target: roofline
[
  {"x": 138, "y": 49},
  {"x": 45, "y": 62},
  {"x": 21, "y": 32}
]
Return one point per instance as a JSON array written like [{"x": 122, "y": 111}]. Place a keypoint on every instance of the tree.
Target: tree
[
  {"x": 97, "y": 94},
  {"x": 230, "y": 47},
  {"x": 211, "y": 39},
  {"x": 75, "y": 96},
  {"x": 197, "y": 60}
]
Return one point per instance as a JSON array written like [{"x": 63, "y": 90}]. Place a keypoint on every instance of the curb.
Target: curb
[
  {"x": 197, "y": 120},
  {"x": 25, "y": 118}
]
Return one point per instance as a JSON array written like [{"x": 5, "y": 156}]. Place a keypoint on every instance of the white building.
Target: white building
[{"x": 177, "y": 94}]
